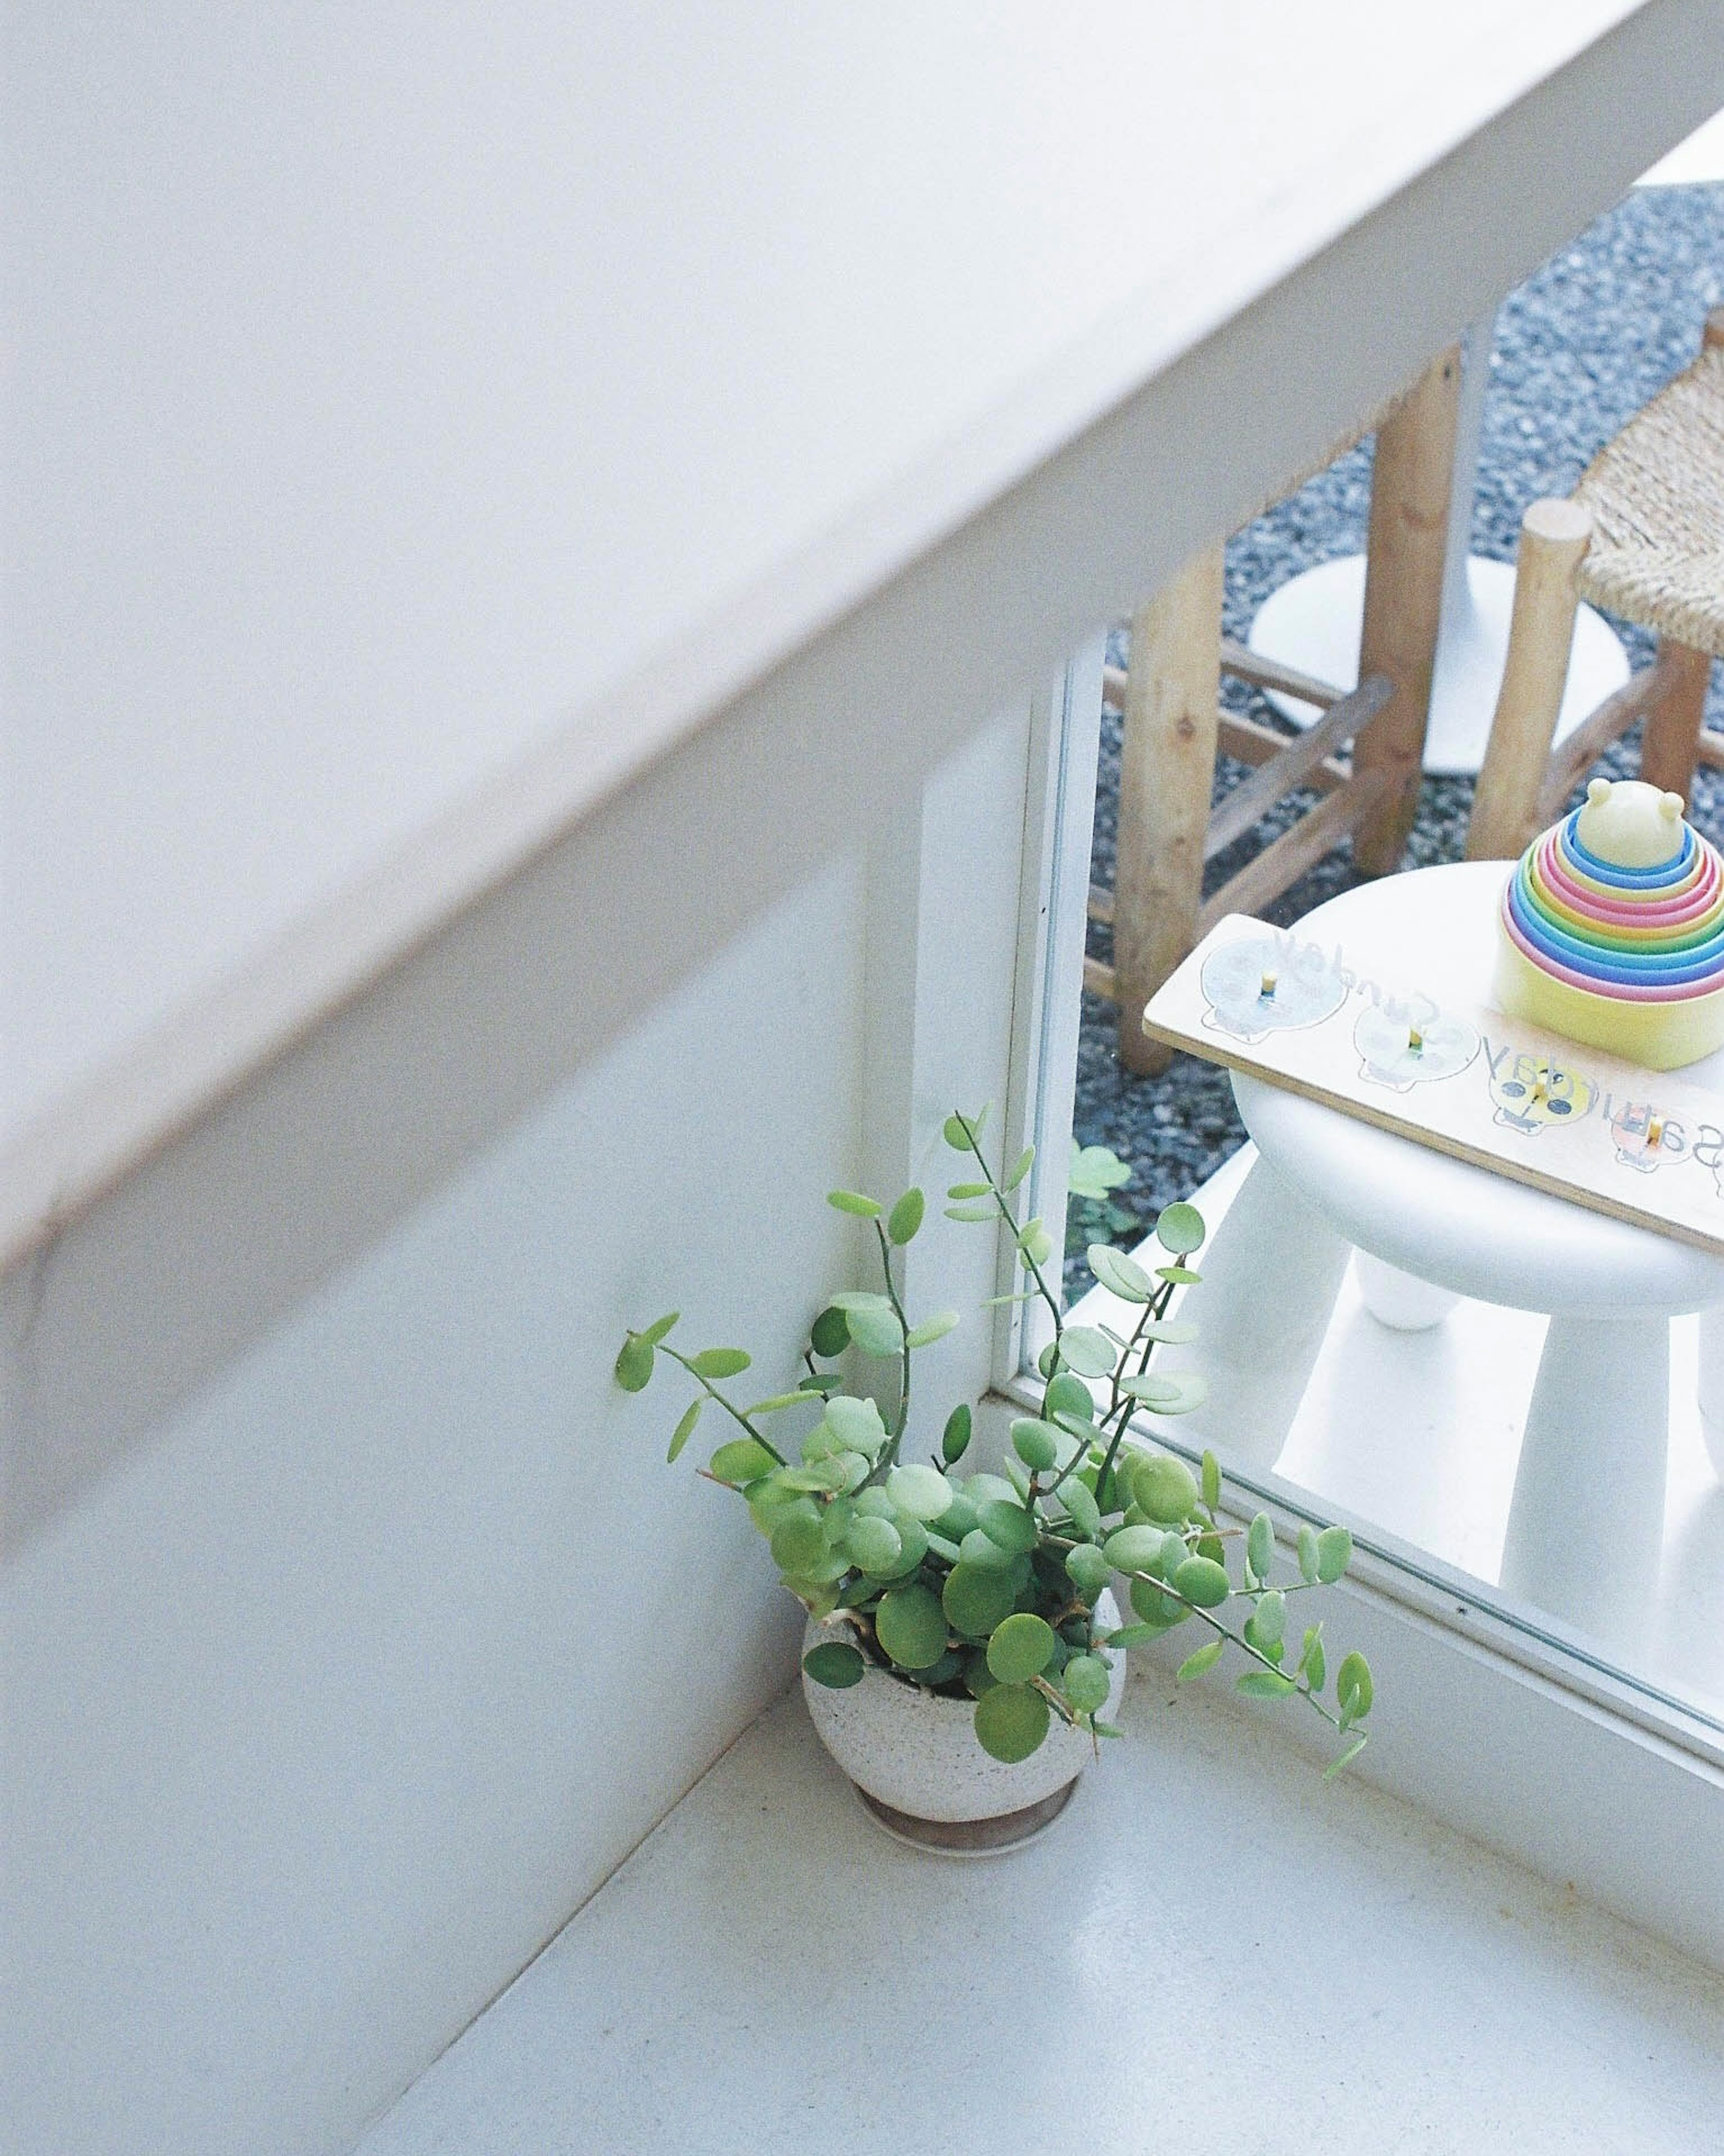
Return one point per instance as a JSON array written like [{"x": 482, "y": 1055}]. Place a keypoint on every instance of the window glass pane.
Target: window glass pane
[{"x": 1414, "y": 1429}]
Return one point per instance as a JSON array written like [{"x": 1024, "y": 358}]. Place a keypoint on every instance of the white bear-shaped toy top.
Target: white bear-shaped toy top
[{"x": 1630, "y": 824}]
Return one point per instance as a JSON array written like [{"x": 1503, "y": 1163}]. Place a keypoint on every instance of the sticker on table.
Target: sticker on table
[
  {"x": 1533, "y": 1095},
  {"x": 1645, "y": 1140},
  {"x": 1270, "y": 983},
  {"x": 1402, "y": 1044}
]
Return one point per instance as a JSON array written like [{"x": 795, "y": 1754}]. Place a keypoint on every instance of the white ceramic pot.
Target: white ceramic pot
[{"x": 914, "y": 1760}]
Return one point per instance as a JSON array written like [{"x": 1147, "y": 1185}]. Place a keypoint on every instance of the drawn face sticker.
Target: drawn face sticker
[
  {"x": 1404, "y": 1045},
  {"x": 1645, "y": 1139},
  {"x": 1263, "y": 984},
  {"x": 1531, "y": 1097}
]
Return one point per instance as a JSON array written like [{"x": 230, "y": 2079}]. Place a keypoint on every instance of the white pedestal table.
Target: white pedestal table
[{"x": 1586, "y": 1524}]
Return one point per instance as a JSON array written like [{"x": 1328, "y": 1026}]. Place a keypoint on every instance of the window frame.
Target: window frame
[{"x": 1487, "y": 1719}]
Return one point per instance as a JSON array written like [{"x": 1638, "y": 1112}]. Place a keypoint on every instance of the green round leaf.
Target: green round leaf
[
  {"x": 1021, "y": 1648},
  {"x": 1091, "y": 1353},
  {"x": 876, "y": 1331},
  {"x": 905, "y": 1217},
  {"x": 933, "y": 1328},
  {"x": 1133, "y": 1549},
  {"x": 633, "y": 1365},
  {"x": 857, "y": 1424},
  {"x": 976, "y": 1598},
  {"x": 829, "y": 1334},
  {"x": 1308, "y": 1555},
  {"x": 798, "y": 1547},
  {"x": 1180, "y": 1228},
  {"x": 981, "y": 1487},
  {"x": 1095, "y": 1171},
  {"x": 1077, "y": 1500},
  {"x": 1264, "y": 1684},
  {"x": 721, "y": 1361},
  {"x": 1020, "y": 1167},
  {"x": 1200, "y": 1580},
  {"x": 958, "y": 1519},
  {"x": 954, "y": 1134},
  {"x": 984, "y": 1552},
  {"x": 1197, "y": 1664},
  {"x": 1260, "y": 1545},
  {"x": 740, "y": 1461},
  {"x": 1212, "y": 1481},
  {"x": 1048, "y": 1360},
  {"x": 853, "y": 1201},
  {"x": 1168, "y": 1392},
  {"x": 873, "y": 1503},
  {"x": 1087, "y": 1569},
  {"x": 1165, "y": 1487},
  {"x": 836, "y": 1665},
  {"x": 1353, "y": 1687},
  {"x": 1068, "y": 1395},
  {"x": 923, "y": 1492},
  {"x": 1154, "y": 1607},
  {"x": 686, "y": 1429},
  {"x": 1011, "y": 1722},
  {"x": 1085, "y": 1681},
  {"x": 912, "y": 1546},
  {"x": 1035, "y": 1444},
  {"x": 1268, "y": 1620},
  {"x": 1010, "y": 1526},
  {"x": 1335, "y": 1553},
  {"x": 911, "y": 1625},
  {"x": 1119, "y": 1275},
  {"x": 875, "y": 1544},
  {"x": 955, "y": 1441},
  {"x": 978, "y": 1678}
]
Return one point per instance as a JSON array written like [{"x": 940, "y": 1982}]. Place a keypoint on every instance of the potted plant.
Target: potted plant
[{"x": 963, "y": 1655}]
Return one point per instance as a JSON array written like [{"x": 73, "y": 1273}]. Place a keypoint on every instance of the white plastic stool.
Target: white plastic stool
[{"x": 1586, "y": 1526}]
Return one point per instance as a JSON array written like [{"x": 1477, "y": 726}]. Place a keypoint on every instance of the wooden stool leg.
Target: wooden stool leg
[
  {"x": 1670, "y": 735},
  {"x": 1166, "y": 773},
  {"x": 1403, "y": 597},
  {"x": 1554, "y": 537}
]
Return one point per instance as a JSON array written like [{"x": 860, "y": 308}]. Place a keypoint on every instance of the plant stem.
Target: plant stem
[
  {"x": 1005, "y": 1212},
  {"x": 734, "y": 1412},
  {"x": 1256, "y": 1654},
  {"x": 903, "y": 1414}
]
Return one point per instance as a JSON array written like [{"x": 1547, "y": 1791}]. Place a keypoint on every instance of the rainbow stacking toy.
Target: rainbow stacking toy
[{"x": 1613, "y": 929}]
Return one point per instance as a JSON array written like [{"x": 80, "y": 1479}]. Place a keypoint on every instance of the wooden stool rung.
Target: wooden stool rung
[
  {"x": 1246, "y": 806},
  {"x": 1248, "y": 665},
  {"x": 1277, "y": 867}
]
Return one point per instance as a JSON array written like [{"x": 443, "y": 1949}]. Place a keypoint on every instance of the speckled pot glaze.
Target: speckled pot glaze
[{"x": 918, "y": 1754}]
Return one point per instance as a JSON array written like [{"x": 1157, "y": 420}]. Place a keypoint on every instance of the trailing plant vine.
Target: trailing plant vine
[{"x": 985, "y": 1586}]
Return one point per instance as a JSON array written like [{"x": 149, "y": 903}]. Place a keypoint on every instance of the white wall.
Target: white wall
[
  {"x": 332, "y": 1695},
  {"x": 353, "y": 1626}
]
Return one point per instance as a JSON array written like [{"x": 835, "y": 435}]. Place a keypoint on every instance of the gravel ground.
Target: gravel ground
[{"x": 1580, "y": 348}]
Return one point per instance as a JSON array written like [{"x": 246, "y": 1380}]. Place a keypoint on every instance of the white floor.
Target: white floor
[
  {"x": 1212, "y": 1948},
  {"x": 1418, "y": 1434}
]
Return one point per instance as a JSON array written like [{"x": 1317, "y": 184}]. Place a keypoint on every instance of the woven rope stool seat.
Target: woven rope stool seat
[
  {"x": 1655, "y": 494},
  {"x": 1643, "y": 536}
]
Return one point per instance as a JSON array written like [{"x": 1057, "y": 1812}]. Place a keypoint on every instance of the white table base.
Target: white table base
[
  {"x": 1312, "y": 623},
  {"x": 1586, "y": 1523},
  {"x": 1585, "y": 1527},
  {"x": 1269, "y": 1280}
]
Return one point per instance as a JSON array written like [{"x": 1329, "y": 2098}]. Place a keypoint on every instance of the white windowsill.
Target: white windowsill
[{"x": 1211, "y": 1941}]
